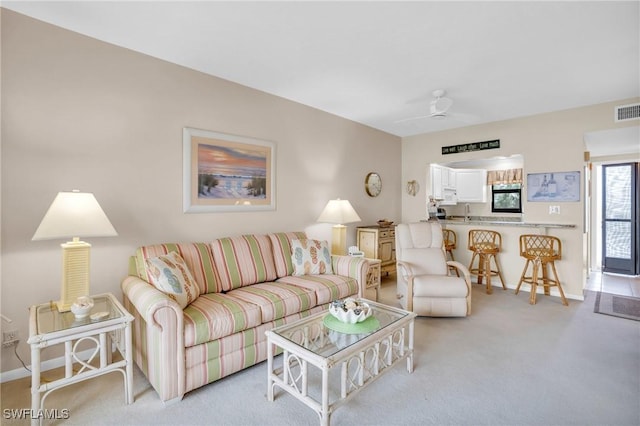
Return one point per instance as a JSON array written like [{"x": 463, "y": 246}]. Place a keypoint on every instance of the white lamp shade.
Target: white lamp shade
[
  {"x": 340, "y": 212},
  {"x": 74, "y": 214}
]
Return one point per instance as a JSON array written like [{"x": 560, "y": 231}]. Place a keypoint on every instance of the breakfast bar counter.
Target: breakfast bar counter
[
  {"x": 511, "y": 263},
  {"x": 500, "y": 221}
]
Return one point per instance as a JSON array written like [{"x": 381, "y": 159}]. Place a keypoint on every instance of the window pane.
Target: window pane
[
  {"x": 506, "y": 200},
  {"x": 618, "y": 239},
  {"x": 618, "y": 192},
  {"x": 507, "y": 186}
]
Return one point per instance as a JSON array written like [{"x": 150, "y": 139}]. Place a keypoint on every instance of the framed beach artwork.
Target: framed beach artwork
[{"x": 225, "y": 173}]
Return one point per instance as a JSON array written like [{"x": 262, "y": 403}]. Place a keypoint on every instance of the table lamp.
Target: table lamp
[
  {"x": 72, "y": 215},
  {"x": 339, "y": 212}
]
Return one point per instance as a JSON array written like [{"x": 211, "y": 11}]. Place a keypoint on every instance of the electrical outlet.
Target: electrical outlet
[
  {"x": 554, "y": 209},
  {"x": 10, "y": 338}
]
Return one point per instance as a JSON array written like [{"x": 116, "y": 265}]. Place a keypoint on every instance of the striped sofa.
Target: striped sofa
[{"x": 246, "y": 286}]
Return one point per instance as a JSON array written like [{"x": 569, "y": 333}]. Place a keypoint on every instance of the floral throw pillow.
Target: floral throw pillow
[
  {"x": 310, "y": 257},
  {"x": 170, "y": 274}
]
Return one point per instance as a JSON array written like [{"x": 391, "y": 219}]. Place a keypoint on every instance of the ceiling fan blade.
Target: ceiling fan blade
[
  {"x": 465, "y": 118},
  {"x": 404, "y": 120}
]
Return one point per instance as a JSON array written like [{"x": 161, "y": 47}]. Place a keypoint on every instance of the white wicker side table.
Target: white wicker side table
[
  {"x": 372, "y": 286},
  {"x": 49, "y": 327}
]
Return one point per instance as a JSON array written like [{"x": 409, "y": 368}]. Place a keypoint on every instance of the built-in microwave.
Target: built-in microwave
[{"x": 449, "y": 197}]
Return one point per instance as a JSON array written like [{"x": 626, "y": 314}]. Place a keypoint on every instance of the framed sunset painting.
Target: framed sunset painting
[{"x": 224, "y": 173}]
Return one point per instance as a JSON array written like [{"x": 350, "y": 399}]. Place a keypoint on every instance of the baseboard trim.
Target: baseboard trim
[
  {"x": 539, "y": 290},
  {"x": 50, "y": 364}
]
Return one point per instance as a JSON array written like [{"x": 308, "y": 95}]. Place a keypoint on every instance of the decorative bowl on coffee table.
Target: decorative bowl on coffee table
[{"x": 350, "y": 310}]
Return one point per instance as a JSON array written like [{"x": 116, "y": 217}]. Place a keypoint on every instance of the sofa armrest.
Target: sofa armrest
[
  {"x": 158, "y": 337},
  {"x": 353, "y": 267}
]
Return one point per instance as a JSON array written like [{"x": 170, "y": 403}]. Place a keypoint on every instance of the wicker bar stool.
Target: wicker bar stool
[
  {"x": 485, "y": 246},
  {"x": 450, "y": 242},
  {"x": 540, "y": 252}
]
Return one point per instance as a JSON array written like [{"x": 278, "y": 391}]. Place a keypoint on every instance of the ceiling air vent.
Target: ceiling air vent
[{"x": 627, "y": 112}]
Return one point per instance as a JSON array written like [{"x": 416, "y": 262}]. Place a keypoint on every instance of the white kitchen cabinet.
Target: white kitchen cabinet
[
  {"x": 436, "y": 181},
  {"x": 443, "y": 184},
  {"x": 450, "y": 181},
  {"x": 471, "y": 185}
]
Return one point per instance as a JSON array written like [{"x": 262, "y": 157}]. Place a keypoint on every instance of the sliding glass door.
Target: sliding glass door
[{"x": 620, "y": 218}]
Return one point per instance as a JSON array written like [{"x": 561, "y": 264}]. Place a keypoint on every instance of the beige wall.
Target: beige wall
[
  {"x": 78, "y": 113},
  {"x": 81, "y": 114},
  {"x": 548, "y": 142}
]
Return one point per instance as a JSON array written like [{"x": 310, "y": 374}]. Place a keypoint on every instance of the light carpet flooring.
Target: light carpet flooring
[{"x": 509, "y": 363}]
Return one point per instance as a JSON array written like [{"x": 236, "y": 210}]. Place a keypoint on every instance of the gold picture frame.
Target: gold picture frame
[{"x": 227, "y": 173}]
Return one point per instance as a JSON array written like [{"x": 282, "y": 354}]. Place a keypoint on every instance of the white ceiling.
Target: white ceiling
[{"x": 378, "y": 62}]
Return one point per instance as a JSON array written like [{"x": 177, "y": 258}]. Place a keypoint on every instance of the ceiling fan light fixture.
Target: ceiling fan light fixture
[
  {"x": 443, "y": 104},
  {"x": 440, "y": 104}
]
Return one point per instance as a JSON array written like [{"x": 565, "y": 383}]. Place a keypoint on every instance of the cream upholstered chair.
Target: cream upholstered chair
[{"x": 424, "y": 286}]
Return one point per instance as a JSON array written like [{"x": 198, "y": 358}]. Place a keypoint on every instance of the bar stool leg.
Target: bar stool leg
[
  {"x": 555, "y": 274},
  {"x": 451, "y": 267},
  {"x": 499, "y": 271},
  {"x": 473, "y": 258},
  {"x": 486, "y": 261},
  {"x": 545, "y": 279},
  {"x": 481, "y": 262},
  {"x": 534, "y": 281},
  {"x": 523, "y": 276}
]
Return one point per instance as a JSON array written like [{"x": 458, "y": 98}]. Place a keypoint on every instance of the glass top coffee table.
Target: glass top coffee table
[{"x": 363, "y": 351}]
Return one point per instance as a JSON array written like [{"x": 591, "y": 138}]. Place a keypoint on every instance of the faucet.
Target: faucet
[{"x": 467, "y": 212}]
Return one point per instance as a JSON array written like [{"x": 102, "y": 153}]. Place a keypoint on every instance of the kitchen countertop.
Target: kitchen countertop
[{"x": 501, "y": 221}]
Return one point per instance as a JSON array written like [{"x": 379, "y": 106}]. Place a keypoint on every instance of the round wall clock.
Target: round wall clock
[{"x": 373, "y": 184}]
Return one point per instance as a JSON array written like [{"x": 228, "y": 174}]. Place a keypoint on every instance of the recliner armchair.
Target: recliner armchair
[{"x": 424, "y": 284}]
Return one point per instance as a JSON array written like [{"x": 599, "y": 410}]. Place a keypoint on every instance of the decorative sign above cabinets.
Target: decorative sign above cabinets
[{"x": 468, "y": 147}]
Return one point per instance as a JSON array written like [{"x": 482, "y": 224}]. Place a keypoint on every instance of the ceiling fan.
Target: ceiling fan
[{"x": 439, "y": 107}]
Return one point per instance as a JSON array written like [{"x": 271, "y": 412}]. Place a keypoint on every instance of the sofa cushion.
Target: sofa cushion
[
  {"x": 219, "y": 358},
  {"x": 197, "y": 256},
  {"x": 277, "y": 299},
  {"x": 170, "y": 274},
  {"x": 243, "y": 260},
  {"x": 310, "y": 257},
  {"x": 327, "y": 287},
  {"x": 215, "y": 315},
  {"x": 281, "y": 242}
]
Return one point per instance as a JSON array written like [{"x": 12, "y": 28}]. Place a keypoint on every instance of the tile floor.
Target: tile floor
[{"x": 623, "y": 285}]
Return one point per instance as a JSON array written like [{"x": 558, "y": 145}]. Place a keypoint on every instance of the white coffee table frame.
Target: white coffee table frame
[
  {"x": 49, "y": 327},
  {"x": 362, "y": 362}
]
